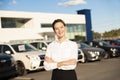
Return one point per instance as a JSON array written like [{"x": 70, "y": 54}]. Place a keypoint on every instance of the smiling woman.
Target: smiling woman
[{"x": 59, "y": 57}]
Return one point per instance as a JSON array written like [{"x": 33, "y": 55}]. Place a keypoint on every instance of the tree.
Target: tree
[{"x": 115, "y": 33}]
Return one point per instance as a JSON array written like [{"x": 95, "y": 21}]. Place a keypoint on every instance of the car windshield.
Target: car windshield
[
  {"x": 83, "y": 45},
  {"x": 48, "y": 43},
  {"x": 118, "y": 41},
  {"x": 103, "y": 43},
  {"x": 23, "y": 48}
]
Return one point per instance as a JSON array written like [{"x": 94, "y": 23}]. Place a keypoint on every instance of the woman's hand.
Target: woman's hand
[
  {"x": 62, "y": 63},
  {"x": 69, "y": 62}
]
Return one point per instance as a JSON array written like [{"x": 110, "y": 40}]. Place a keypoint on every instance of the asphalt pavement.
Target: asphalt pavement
[{"x": 107, "y": 69}]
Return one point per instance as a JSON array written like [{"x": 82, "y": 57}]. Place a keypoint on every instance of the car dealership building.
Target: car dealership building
[{"x": 27, "y": 24}]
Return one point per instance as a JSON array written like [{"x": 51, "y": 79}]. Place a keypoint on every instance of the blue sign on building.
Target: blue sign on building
[{"x": 87, "y": 13}]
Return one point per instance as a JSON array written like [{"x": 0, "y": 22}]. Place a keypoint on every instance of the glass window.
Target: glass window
[
  {"x": 14, "y": 22},
  {"x": 22, "y": 48},
  {"x": 73, "y": 30},
  {"x": 6, "y": 48},
  {"x": 46, "y": 25}
]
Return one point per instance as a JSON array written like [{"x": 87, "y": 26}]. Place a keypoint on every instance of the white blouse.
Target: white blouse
[{"x": 60, "y": 52}]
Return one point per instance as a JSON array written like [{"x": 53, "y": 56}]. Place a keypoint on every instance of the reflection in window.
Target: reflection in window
[
  {"x": 76, "y": 30},
  {"x": 73, "y": 30},
  {"x": 14, "y": 22}
]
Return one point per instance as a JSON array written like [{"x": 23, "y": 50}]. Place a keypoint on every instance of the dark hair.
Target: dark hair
[{"x": 56, "y": 21}]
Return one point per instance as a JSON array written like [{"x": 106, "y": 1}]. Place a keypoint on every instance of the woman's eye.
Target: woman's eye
[
  {"x": 56, "y": 28},
  {"x": 61, "y": 27}
]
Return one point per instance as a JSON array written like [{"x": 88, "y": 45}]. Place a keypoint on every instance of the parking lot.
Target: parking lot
[{"x": 107, "y": 69}]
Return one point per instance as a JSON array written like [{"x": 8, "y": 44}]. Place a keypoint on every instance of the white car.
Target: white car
[
  {"x": 41, "y": 44},
  {"x": 27, "y": 57}
]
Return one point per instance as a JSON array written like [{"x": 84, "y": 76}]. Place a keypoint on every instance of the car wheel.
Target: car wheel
[
  {"x": 85, "y": 59},
  {"x": 20, "y": 69},
  {"x": 106, "y": 55}
]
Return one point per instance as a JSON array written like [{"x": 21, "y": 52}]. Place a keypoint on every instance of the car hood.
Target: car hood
[
  {"x": 4, "y": 56},
  {"x": 33, "y": 53},
  {"x": 118, "y": 47},
  {"x": 93, "y": 49}
]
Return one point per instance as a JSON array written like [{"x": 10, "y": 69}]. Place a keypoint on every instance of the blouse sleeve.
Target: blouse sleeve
[
  {"x": 49, "y": 65},
  {"x": 74, "y": 54},
  {"x": 75, "y": 51}
]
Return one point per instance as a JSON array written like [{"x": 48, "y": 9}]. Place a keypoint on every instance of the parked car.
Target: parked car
[
  {"x": 27, "y": 57},
  {"x": 111, "y": 51},
  {"x": 113, "y": 42},
  {"x": 7, "y": 66},
  {"x": 42, "y": 45},
  {"x": 91, "y": 53},
  {"x": 81, "y": 57}
]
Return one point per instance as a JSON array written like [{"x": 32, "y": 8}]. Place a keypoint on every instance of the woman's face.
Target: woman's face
[{"x": 60, "y": 29}]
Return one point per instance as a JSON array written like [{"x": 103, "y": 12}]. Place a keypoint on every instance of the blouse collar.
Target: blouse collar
[{"x": 63, "y": 41}]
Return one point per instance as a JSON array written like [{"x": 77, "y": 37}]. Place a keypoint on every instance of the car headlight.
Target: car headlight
[
  {"x": 97, "y": 52},
  {"x": 113, "y": 49},
  {"x": 34, "y": 61},
  {"x": 32, "y": 57},
  {"x": 91, "y": 53}
]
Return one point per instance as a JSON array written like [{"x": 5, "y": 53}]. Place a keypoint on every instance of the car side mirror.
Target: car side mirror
[
  {"x": 96, "y": 46},
  {"x": 44, "y": 48},
  {"x": 7, "y": 52}
]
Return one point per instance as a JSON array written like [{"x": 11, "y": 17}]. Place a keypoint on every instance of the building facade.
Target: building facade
[{"x": 28, "y": 23}]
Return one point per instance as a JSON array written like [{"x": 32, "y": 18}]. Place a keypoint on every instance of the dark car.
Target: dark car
[
  {"x": 7, "y": 66},
  {"x": 91, "y": 53},
  {"x": 114, "y": 42},
  {"x": 111, "y": 51}
]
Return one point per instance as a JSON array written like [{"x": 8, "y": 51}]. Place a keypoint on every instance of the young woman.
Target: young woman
[{"x": 61, "y": 55}]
